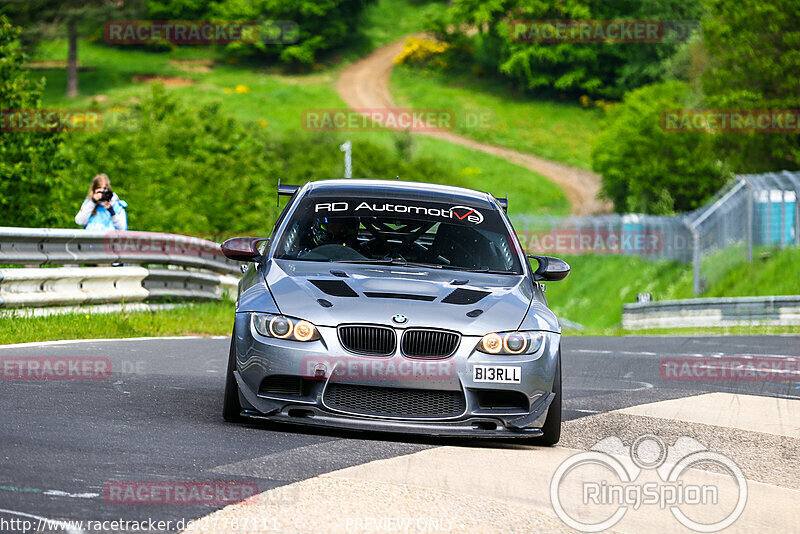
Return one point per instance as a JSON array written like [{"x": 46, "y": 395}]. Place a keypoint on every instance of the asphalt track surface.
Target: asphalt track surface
[{"x": 156, "y": 418}]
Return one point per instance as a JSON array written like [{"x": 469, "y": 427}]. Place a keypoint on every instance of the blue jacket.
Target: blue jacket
[{"x": 102, "y": 220}]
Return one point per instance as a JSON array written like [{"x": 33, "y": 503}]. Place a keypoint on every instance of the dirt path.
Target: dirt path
[{"x": 365, "y": 84}]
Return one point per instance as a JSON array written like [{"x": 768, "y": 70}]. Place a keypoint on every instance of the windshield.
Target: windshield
[{"x": 399, "y": 232}]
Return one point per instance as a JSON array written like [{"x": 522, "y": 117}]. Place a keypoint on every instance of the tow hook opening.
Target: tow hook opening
[
  {"x": 301, "y": 413},
  {"x": 484, "y": 425}
]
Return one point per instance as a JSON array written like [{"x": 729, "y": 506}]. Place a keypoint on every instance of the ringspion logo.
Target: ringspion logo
[{"x": 593, "y": 490}]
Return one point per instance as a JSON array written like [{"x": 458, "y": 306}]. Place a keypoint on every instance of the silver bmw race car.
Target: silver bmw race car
[{"x": 396, "y": 306}]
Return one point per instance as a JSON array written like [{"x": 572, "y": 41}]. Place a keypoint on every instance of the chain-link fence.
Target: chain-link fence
[{"x": 751, "y": 211}]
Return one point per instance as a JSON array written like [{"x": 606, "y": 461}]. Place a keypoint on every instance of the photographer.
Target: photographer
[{"x": 102, "y": 209}]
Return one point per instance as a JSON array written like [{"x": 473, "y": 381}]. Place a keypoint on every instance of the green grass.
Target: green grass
[
  {"x": 386, "y": 21},
  {"x": 598, "y": 286},
  {"x": 210, "y": 318},
  {"x": 771, "y": 273},
  {"x": 560, "y": 131},
  {"x": 763, "y": 330}
]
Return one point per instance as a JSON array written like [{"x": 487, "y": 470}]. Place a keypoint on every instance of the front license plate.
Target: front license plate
[{"x": 502, "y": 374}]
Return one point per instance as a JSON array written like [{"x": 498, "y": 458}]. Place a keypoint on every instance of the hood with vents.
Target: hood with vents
[{"x": 330, "y": 294}]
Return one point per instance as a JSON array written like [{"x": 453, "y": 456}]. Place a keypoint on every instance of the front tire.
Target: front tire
[
  {"x": 231, "y": 407},
  {"x": 552, "y": 423}
]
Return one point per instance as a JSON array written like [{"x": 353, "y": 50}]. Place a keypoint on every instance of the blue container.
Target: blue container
[{"x": 769, "y": 206}]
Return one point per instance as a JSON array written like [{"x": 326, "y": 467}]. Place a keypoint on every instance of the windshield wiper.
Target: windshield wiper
[
  {"x": 383, "y": 261},
  {"x": 391, "y": 261},
  {"x": 479, "y": 270}
]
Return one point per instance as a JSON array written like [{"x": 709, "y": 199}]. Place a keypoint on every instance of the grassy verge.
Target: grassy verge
[
  {"x": 210, "y": 318},
  {"x": 598, "y": 286},
  {"x": 560, "y": 131},
  {"x": 764, "y": 330}
]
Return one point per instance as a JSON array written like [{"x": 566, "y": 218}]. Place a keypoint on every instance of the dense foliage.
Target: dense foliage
[
  {"x": 754, "y": 50},
  {"x": 599, "y": 69},
  {"x": 321, "y": 25},
  {"x": 28, "y": 160},
  {"x": 750, "y": 57},
  {"x": 647, "y": 169}
]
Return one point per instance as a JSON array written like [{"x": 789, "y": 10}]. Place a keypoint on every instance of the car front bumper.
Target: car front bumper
[{"x": 325, "y": 364}]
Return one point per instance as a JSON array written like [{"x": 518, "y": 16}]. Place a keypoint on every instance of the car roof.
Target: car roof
[{"x": 391, "y": 189}]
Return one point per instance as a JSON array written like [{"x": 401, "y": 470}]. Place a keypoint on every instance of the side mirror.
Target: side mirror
[
  {"x": 243, "y": 248},
  {"x": 550, "y": 269}
]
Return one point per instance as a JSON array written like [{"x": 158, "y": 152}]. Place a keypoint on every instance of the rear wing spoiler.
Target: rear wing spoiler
[
  {"x": 503, "y": 203},
  {"x": 286, "y": 190}
]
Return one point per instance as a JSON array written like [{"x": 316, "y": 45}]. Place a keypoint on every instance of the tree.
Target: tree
[
  {"x": 323, "y": 25},
  {"x": 43, "y": 18},
  {"x": 599, "y": 68},
  {"x": 646, "y": 169},
  {"x": 754, "y": 53},
  {"x": 29, "y": 161}
]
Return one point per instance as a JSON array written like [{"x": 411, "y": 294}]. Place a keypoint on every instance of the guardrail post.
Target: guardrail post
[
  {"x": 695, "y": 258},
  {"x": 749, "y": 201}
]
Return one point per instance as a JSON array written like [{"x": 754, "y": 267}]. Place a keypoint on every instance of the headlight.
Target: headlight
[
  {"x": 511, "y": 343},
  {"x": 281, "y": 327}
]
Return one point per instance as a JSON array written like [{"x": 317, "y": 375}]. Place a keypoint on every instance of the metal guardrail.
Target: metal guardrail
[
  {"x": 713, "y": 312},
  {"x": 45, "y": 246},
  {"x": 21, "y": 288},
  {"x": 195, "y": 268}
]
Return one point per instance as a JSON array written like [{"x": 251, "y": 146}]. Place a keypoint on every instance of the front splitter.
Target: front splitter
[{"x": 475, "y": 427}]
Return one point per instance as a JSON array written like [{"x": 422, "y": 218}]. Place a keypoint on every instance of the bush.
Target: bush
[
  {"x": 28, "y": 160},
  {"x": 648, "y": 170},
  {"x": 421, "y": 52}
]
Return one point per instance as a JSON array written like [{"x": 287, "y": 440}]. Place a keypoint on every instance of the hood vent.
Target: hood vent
[
  {"x": 403, "y": 296},
  {"x": 334, "y": 288},
  {"x": 465, "y": 296}
]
